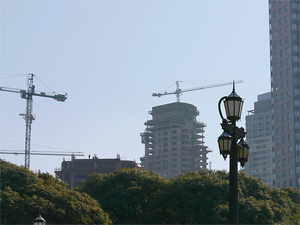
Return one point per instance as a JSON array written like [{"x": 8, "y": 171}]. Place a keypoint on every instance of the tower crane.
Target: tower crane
[
  {"x": 17, "y": 152},
  {"x": 28, "y": 115},
  {"x": 178, "y": 91}
]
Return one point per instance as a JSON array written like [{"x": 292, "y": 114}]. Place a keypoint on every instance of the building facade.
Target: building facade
[
  {"x": 77, "y": 170},
  {"x": 174, "y": 140},
  {"x": 284, "y": 62},
  {"x": 259, "y": 137}
]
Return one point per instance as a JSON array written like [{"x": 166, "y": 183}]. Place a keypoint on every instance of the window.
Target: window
[
  {"x": 277, "y": 131},
  {"x": 294, "y": 26},
  {"x": 276, "y": 76},
  {"x": 281, "y": 42},
  {"x": 281, "y": 63},
  {"x": 288, "y": 72},
  {"x": 288, "y": 61},
  {"x": 290, "y": 149},
  {"x": 290, "y": 183},
  {"x": 282, "y": 85},
  {"x": 290, "y": 171},
  {"x": 277, "y": 164},
  {"x": 283, "y": 117},
  {"x": 289, "y": 94},
  {"x": 281, "y": 32},
  {"x": 276, "y": 98},
  {"x": 277, "y": 109},
  {"x": 275, "y": 24},
  {"x": 283, "y": 128},
  {"x": 273, "y": 4},
  {"x": 276, "y": 66},
  {"x": 277, "y": 120},
  {"x": 286, "y": 29},
  {"x": 282, "y": 74},
  {"x": 290, "y": 138},
  {"x": 277, "y": 141},
  {"x": 287, "y": 50},
  {"x": 286, "y": 8},
  {"x": 280, "y": 11},
  {"x": 274, "y": 14},
  {"x": 287, "y": 40},
  {"x": 286, "y": 17},
  {"x": 280, "y": 21},
  {"x": 289, "y": 116},
  {"x": 290, "y": 160},
  {"x": 284, "y": 173},
  {"x": 275, "y": 55},
  {"x": 275, "y": 45},
  {"x": 289, "y": 127},
  {"x": 275, "y": 34},
  {"x": 278, "y": 176},
  {"x": 284, "y": 140},
  {"x": 281, "y": 53},
  {"x": 282, "y": 96},
  {"x": 284, "y": 153},
  {"x": 289, "y": 105},
  {"x": 277, "y": 152}
]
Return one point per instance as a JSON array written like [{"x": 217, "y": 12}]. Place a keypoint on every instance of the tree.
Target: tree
[
  {"x": 125, "y": 194},
  {"x": 24, "y": 194}
]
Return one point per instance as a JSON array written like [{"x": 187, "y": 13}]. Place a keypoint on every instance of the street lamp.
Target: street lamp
[
  {"x": 228, "y": 145},
  {"x": 39, "y": 220}
]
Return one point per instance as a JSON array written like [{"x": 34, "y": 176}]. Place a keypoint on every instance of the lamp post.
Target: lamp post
[
  {"x": 39, "y": 220},
  {"x": 228, "y": 146}
]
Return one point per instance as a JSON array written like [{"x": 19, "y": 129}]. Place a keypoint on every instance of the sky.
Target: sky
[{"x": 110, "y": 56}]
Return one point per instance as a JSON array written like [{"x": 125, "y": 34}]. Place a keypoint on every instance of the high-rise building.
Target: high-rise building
[
  {"x": 284, "y": 57},
  {"x": 259, "y": 137},
  {"x": 174, "y": 140}
]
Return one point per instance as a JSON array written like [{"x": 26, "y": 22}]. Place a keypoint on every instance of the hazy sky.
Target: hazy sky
[{"x": 110, "y": 56}]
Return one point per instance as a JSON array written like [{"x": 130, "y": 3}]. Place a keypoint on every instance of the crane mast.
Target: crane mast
[
  {"x": 178, "y": 91},
  {"x": 28, "y": 116}
]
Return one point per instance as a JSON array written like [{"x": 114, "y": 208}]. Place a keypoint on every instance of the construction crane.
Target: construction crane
[
  {"x": 178, "y": 91},
  {"x": 17, "y": 152},
  {"x": 28, "y": 115}
]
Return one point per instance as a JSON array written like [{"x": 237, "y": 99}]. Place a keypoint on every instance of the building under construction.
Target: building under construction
[
  {"x": 77, "y": 170},
  {"x": 174, "y": 140}
]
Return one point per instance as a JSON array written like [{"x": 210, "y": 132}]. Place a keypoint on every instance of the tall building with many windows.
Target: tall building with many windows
[
  {"x": 259, "y": 137},
  {"x": 174, "y": 140},
  {"x": 285, "y": 59}
]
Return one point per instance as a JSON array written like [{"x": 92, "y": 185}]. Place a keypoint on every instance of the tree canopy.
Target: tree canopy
[
  {"x": 125, "y": 194},
  {"x": 25, "y": 194},
  {"x": 132, "y": 196}
]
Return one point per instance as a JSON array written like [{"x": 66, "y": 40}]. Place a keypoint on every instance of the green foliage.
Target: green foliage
[
  {"x": 124, "y": 194},
  {"x": 132, "y": 196},
  {"x": 24, "y": 194}
]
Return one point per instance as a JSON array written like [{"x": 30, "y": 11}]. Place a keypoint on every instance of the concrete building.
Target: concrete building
[
  {"x": 259, "y": 137},
  {"x": 77, "y": 170},
  {"x": 284, "y": 61},
  {"x": 174, "y": 140}
]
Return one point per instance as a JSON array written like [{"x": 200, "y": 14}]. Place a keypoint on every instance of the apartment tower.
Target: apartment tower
[
  {"x": 284, "y": 62},
  {"x": 174, "y": 140},
  {"x": 259, "y": 137}
]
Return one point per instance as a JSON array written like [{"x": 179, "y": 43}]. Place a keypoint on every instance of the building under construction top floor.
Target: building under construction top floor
[{"x": 174, "y": 140}]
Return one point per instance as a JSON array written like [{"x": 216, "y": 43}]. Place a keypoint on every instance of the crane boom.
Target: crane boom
[
  {"x": 28, "y": 116},
  {"x": 17, "y": 152},
  {"x": 178, "y": 91}
]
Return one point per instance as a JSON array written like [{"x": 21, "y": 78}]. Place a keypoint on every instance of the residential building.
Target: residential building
[
  {"x": 77, "y": 170},
  {"x": 174, "y": 140},
  {"x": 259, "y": 137},
  {"x": 284, "y": 61}
]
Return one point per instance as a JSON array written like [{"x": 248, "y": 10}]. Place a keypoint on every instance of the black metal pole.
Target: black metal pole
[{"x": 233, "y": 181}]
